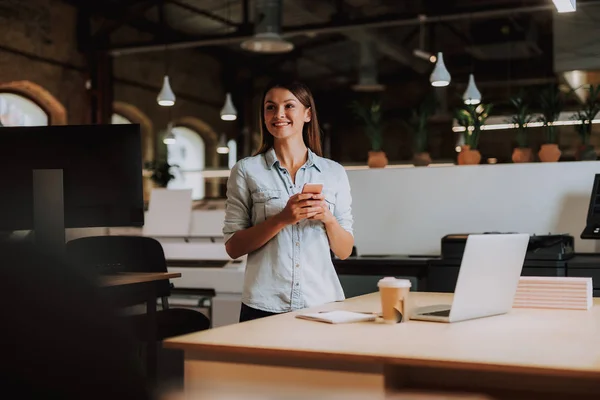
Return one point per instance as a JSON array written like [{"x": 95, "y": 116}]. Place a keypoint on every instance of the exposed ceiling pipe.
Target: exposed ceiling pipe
[
  {"x": 327, "y": 28},
  {"x": 367, "y": 69}
]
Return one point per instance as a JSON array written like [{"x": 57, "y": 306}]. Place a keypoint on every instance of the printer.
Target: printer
[
  {"x": 549, "y": 247},
  {"x": 546, "y": 255}
]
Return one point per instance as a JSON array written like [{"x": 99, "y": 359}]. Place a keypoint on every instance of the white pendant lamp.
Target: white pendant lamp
[
  {"x": 472, "y": 95},
  {"x": 169, "y": 135},
  {"x": 166, "y": 97},
  {"x": 222, "y": 147},
  {"x": 228, "y": 112},
  {"x": 440, "y": 75}
]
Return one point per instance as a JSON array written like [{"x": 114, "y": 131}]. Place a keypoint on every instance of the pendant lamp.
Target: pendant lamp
[
  {"x": 228, "y": 112},
  {"x": 472, "y": 95},
  {"x": 440, "y": 75},
  {"x": 166, "y": 97}
]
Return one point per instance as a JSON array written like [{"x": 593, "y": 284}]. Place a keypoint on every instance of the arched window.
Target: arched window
[
  {"x": 232, "y": 156},
  {"x": 17, "y": 110},
  {"x": 188, "y": 154},
  {"x": 117, "y": 119}
]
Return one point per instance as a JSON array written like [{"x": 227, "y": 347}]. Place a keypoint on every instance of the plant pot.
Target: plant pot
[
  {"x": 521, "y": 155},
  {"x": 468, "y": 156},
  {"x": 586, "y": 152},
  {"x": 422, "y": 159},
  {"x": 377, "y": 159},
  {"x": 549, "y": 152}
]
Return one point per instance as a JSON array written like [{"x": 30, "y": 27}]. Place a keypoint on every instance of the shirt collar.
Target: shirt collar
[{"x": 313, "y": 159}]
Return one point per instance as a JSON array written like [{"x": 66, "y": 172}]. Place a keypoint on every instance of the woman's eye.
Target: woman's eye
[
  {"x": 268, "y": 108},
  {"x": 290, "y": 106}
]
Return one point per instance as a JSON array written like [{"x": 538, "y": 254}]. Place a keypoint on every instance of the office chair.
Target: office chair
[{"x": 113, "y": 254}]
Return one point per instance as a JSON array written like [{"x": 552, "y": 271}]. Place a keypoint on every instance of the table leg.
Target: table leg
[{"x": 151, "y": 350}]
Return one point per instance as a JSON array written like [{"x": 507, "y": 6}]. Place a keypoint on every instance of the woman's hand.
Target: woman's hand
[
  {"x": 300, "y": 206},
  {"x": 324, "y": 214}
]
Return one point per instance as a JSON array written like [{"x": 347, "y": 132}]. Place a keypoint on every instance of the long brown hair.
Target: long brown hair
[{"x": 311, "y": 132}]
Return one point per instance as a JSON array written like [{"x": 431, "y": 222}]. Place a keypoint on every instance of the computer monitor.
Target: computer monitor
[
  {"x": 592, "y": 223},
  {"x": 71, "y": 176}
]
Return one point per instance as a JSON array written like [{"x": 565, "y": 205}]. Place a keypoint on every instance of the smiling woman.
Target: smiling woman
[{"x": 288, "y": 235}]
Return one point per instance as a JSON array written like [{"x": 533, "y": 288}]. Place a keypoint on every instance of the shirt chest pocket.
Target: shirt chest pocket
[
  {"x": 330, "y": 200},
  {"x": 266, "y": 203}
]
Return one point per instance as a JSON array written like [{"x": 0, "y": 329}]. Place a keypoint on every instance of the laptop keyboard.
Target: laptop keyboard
[{"x": 443, "y": 313}]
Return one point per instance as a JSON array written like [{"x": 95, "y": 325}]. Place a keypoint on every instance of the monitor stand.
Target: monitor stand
[{"x": 49, "y": 211}]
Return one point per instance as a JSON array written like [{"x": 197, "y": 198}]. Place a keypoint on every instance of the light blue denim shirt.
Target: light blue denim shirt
[{"x": 293, "y": 270}]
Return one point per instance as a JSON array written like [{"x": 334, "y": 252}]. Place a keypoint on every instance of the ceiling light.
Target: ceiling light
[
  {"x": 268, "y": 42},
  {"x": 228, "y": 112},
  {"x": 472, "y": 95},
  {"x": 440, "y": 75},
  {"x": 222, "y": 147},
  {"x": 166, "y": 97},
  {"x": 169, "y": 136},
  {"x": 425, "y": 55},
  {"x": 564, "y": 6}
]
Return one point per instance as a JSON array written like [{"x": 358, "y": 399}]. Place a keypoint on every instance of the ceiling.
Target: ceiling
[{"x": 505, "y": 43}]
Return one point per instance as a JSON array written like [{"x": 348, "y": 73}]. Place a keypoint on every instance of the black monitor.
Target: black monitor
[
  {"x": 592, "y": 223},
  {"x": 71, "y": 176}
]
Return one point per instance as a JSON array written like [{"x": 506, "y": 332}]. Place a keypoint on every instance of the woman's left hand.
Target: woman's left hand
[{"x": 324, "y": 214}]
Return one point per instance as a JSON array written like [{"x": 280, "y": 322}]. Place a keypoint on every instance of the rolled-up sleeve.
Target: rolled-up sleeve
[
  {"x": 343, "y": 206},
  {"x": 237, "y": 205}
]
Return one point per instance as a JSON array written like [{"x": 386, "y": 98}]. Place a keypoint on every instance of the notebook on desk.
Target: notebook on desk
[{"x": 338, "y": 317}]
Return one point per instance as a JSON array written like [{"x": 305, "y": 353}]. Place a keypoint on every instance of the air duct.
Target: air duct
[
  {"x": 267, "y": 29},
  {"x": 367, "y": 72}
]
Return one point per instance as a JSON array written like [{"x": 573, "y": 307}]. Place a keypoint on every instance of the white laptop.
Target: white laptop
[{"x": 487, "y": 280}]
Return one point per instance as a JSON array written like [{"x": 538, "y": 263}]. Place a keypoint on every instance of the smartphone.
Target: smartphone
[{"x": 314, "y": 188}]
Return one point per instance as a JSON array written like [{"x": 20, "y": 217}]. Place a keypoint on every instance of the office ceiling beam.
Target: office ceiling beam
[
  {"x": 337, "y": 26},
  {"x": 203, "y": 13}
]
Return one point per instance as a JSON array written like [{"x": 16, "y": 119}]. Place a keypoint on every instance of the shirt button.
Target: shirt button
[
  {"x": 297, "y": 265},
  {"x": 297, "y": 243},
  {"x": 297, "y": 284}
]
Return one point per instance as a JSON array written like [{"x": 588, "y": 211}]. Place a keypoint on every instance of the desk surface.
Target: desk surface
[
  {"x": 535, "y": 340},
  {"x": 136, "y": 277}
]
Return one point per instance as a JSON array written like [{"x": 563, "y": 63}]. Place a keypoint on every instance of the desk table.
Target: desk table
[
  {"x": 525, "y": 354},
  {"x": 147, "y": 282}
]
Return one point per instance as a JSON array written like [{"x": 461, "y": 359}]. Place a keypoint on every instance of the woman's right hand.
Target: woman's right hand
[{"x": 300, "y": 206}]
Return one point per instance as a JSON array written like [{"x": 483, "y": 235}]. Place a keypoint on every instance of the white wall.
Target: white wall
[{"x": 409, "y": 210}]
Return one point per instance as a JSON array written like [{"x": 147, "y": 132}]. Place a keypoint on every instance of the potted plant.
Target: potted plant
[
  {"x": 159, "y": 172},
  {"x": 585, "y": 115},
  {"x": 418, "y": 125},
  {"x": 551, "y": 103},
  {"x": 371, "y": 117},
  {"x": 522, "y": 116},
  {"x": 471, "y": 117}
]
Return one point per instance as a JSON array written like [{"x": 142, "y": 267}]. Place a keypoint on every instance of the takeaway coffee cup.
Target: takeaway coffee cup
[{"x": 394, "y": 298}]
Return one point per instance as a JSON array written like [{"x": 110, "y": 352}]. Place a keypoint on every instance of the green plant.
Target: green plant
[
  {"x": 160, "y": 171},
  {"x": 521, "y": 118},
  {"x": 472, "y": 117},
  {"x": 418, "y": 122},
  {"x": 587, "y": 113},
  {"x": 371, "y": 117},
  {"x": 551, "y": 103}
]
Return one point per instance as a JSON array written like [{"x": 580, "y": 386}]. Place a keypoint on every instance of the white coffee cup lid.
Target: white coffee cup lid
[{"x": 390, "y": 281}]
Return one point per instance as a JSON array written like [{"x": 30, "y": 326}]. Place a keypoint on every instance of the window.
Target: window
[
  {"x": 117, "y": 119},
  {"x": 232, "y": 157},
  {"x": 16, "y": 110},
  {"x": 188, "y": 154}
]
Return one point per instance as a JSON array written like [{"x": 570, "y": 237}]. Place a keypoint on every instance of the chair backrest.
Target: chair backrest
[{"x": 111, "y": 254}]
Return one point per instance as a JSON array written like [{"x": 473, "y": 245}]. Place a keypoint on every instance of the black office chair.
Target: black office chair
[{"x": 113, "y": 254}]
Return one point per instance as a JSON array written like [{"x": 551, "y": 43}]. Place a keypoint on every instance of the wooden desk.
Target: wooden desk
[
  {"x": 519, "y": 355},
  {"x": 145, "y": 281},
  {"x": 130, "y": 278}
]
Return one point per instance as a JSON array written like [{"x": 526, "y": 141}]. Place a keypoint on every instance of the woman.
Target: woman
[{"x": 286, "y": 234}]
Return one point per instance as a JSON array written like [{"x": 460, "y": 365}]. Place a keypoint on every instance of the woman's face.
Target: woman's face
[{"x": 284, "y": 115}]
